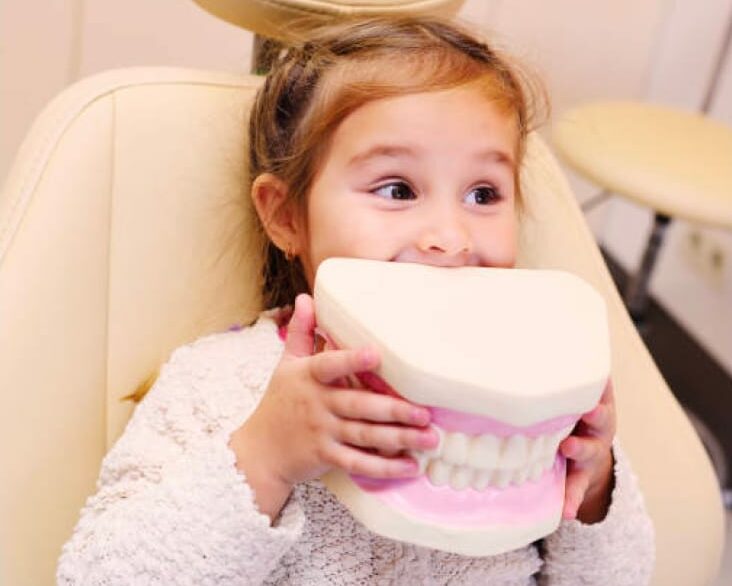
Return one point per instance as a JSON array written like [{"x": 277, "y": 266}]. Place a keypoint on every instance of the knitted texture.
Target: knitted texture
[{"x": 171, "y": 507}]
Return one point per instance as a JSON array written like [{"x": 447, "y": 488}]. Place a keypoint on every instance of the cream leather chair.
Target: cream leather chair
[{"x": 124, "y": 233}]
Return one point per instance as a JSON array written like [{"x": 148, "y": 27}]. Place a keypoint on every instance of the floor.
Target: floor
[{"x": 684, "y": 363}]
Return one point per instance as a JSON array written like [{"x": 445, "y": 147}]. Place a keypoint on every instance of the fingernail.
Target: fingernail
[
  {"x": 428, "y": 439},
  {"x": 410, "y": 468},
  {"x": 367, "y": 357},
  {"x": 420, "y": 416}
]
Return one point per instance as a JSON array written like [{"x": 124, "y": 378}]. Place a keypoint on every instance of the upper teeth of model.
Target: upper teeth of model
[{"x": 479, "y": 461}]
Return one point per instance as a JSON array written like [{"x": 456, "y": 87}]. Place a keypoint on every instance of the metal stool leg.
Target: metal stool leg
[{"x": 636, "y": 294}]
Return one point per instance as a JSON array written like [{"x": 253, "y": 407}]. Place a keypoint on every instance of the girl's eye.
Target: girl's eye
[
  {"x": 396, "y": 190},
  {"x": 484, "y": 195}
]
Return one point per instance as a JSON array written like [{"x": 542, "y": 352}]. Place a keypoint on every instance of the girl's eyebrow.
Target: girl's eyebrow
[
  {"x": 498, "y": 156},
  {"x": 395, "y": 151},
  {"x": 383, "y": 150}
]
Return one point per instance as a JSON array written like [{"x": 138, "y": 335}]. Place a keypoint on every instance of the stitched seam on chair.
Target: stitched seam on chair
[
  {"x": 110, "y": 233},
  {"x": 57, "y": 129}
]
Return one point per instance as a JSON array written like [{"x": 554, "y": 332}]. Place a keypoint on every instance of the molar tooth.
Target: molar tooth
[
  {"x": 484, "y": 451},
  {"x": 557, "y": 438},
  {"x": 515, "y": 452},
  {"x": 536, "y": 471},
  {"x": 520, "y": 476},
  {"x": 422, "y": 459},
  {"x": 455, "y": 448},
  {"x": 537, "y": 446},
  {"x": 439, "y": 472},
  {"x": 460, "y": 477},
  {"x": 481, "y": 479},
  {"x": 553, "y": 441},
  {"x": 502, "y": 478},
  {"x": 548, "y": 461}
]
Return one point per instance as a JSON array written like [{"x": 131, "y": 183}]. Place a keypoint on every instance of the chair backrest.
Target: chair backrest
[{"x": 125, "y": 231}]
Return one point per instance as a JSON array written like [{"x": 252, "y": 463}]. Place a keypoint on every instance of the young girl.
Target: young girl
[{"x": 398, "y": 140}]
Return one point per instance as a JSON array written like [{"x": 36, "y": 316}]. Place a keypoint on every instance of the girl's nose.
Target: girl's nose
[{"x": 445, "y": 239}]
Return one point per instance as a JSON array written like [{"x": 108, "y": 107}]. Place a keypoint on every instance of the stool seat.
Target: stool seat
[
  {"x": 678, "y": 163},
  {"x": 284, "y": 20}
]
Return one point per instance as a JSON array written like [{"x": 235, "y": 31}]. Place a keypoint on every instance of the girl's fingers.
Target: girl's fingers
[
  {"x": 583, "y": 449},
  {"x": 365, "y": 405},
  {"x": 601, "y": 420},
  {"x": 385, "y": 437},
  {"x": 576, "y": 486},
  {"x": 300, "y": 336},
  {"x": 328, "y": 367},
  {"x": 355, "y": 461}
]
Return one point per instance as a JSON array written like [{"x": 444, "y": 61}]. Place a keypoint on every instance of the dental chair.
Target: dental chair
[{"x": 125, "y": 231}]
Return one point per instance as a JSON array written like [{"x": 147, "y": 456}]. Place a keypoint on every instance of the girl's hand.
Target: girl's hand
[
  {"x": 307, "y": 424},
  {"x": 590, "y": 462}
]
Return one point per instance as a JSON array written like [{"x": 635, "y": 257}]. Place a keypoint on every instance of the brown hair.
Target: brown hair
[{"x": 313, "y": 86}]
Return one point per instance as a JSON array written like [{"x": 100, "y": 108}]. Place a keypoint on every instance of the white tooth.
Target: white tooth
[
  {"x": 438, "y": 472},
  {"x": 520, "y": 476},
  {"x": 481, "y": 479},
  {"x": 553, "y": 441},
  {"x": 560, "y": 435},
  {"x": 483, "y": 453},
  {"x": 536, "y": 448},
  {"x": 514, "y": 453},
  {"x": 548, "y": 462},
  {"x": 502, "y": 478},
  {"x": 455, "y": 448},
  {"x": 461, "y": 477},
  {"x": 536, "y": 471},
  {"x": 422, "y": 458}
]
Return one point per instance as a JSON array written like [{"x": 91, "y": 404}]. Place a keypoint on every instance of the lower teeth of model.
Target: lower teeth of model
[{"x": 461, "y": 477}]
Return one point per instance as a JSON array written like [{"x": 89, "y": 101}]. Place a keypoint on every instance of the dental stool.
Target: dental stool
[
  {"x": 677, "y": 163},
  {"x": 125, "y": 232},
  {"x": 275, "y": 22}
]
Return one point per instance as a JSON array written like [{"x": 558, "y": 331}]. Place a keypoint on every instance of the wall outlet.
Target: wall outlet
[{"x": 706, "y": 254}]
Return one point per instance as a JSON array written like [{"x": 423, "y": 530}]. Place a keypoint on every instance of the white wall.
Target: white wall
[
  {"x": 159, "y": 32},
  {"x": 647, "y": 49},
  {"x": 47, "y": 44},
  {"x": 36, "y": 37}
]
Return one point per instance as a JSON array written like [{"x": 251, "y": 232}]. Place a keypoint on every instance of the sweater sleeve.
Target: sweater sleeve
[
  {"x": 171, "y": 507},
  {"x": 619, "y": 550}
]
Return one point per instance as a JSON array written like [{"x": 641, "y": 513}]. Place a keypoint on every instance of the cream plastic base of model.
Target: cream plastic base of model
[
  {"x": 394, "y": 524},
  {"x": 520, "y": 346},
  {"x": 506, "y": 360}
]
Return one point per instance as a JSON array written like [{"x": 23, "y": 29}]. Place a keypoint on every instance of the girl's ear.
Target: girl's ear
[{"x": 280, "y": 217}]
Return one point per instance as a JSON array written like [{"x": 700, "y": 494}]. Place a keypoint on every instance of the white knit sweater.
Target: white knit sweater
[{"x": 171, "y": 507}]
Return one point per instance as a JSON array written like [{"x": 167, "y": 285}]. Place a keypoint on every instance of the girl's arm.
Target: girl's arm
[{"x": 171, "y": 506}]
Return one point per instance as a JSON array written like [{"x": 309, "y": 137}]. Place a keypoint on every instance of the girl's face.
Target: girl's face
[{"x": 425, "y": 178}]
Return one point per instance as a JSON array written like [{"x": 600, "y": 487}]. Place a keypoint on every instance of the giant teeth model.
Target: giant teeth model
[{"x": 507, "y": 360}]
